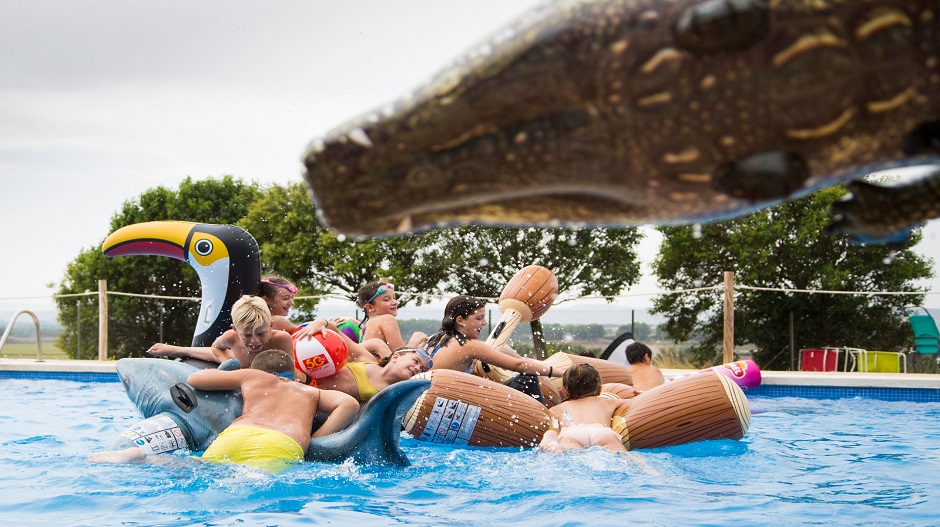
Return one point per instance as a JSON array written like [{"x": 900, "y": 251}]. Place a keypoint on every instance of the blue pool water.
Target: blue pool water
[{"x": 833, "y": 462}]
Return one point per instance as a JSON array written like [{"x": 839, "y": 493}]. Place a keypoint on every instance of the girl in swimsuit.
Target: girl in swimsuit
[
  {"x": 377, "y": 299},
  {"x": 584, "y": 418},
  {"x": 278, "y": 292},
  {"x": 363, "y": 380},
  {"x": 457, "y": 344}
]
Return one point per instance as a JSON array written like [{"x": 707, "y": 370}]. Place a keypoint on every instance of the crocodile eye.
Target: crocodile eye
[
  {"x": 722, "y": 25},
  {"x": 203, "y": 247}
]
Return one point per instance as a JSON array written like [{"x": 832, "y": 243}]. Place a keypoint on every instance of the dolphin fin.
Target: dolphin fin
[{"x": 373, "y": 439}]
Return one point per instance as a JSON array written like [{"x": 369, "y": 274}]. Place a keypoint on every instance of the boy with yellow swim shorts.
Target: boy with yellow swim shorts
[{"x": 277, "y": 415}]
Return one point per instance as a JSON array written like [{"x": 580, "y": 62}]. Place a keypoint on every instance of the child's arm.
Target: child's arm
[
  {"x": 206, "y": 353},
  {"x": 210, "y": 379},
  {"x": 484, "y": 352},
  {"x": 342, "y": 409},
  {"x": 357, "y": 352}
]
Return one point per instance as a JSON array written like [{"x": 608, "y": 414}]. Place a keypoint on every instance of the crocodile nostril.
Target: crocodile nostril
[
  {"x": 763, "y": 176},
  {"x": 722, "y": 25},
  {"x": 925, "y": 139}
]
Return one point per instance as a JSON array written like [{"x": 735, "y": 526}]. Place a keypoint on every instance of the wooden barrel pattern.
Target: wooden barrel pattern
[
  {"x": 534, "y": 286},
  {"x": 550, "y": 391},
  {"x": 611, "y": 372},
  {"x": 616, "y": 390},
  {"x": 463, "y": 409},
  {"x": 694, "y": 408}
]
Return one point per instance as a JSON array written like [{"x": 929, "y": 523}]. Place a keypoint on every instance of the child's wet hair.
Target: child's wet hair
[
  {"x": 273, "y": 361},
  {"x": 459, "y": 306},
  {"x": 636, "y": 351},
  {"x": 250, "y": 312},
  {"x": 272, "y": 285},
  {"x": 581, "y": 380}
]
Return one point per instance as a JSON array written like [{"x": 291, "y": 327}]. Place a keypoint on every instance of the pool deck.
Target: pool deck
[{"x": 768, "y": 378}]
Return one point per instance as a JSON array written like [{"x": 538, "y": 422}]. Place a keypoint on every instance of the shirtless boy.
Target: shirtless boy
[
  {"x": 277, "y": 416},
  {"x": 251, "y": 333},
  {"x": 644, "y": 374}
]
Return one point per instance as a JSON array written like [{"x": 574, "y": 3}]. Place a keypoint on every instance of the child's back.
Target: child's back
[
  {"x": 272, "y": 403},
  {"x": 584, "y": 419}
]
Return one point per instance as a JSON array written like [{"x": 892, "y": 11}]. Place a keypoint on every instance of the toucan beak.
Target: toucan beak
[{"x": 162, "y": 238}]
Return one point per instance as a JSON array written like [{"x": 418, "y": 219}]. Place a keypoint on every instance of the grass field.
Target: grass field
[{"x": 28, "y": 351}]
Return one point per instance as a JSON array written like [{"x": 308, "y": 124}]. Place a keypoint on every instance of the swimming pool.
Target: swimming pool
[{"x": 833, "y": 462}]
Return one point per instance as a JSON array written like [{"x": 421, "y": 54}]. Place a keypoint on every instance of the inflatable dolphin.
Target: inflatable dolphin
[{"x": 177, "y": 416}]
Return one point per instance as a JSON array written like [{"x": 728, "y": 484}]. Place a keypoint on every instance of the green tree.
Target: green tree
[
  {"x": 785, "y": 247},
  {"x": 482, "y": 260},
  {"x": 642, "y": 332},
  {"x": 295, "y": 244},
  {"x": 135, "y": 323}
]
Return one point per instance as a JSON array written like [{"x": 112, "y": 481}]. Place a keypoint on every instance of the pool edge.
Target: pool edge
[{"x": 795, "y": 378}]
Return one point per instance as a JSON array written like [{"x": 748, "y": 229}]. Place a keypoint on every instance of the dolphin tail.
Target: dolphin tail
[{"x": 373, "y": 438}]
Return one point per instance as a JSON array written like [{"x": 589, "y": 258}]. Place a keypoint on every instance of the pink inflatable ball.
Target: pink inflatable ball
[{"x": 320, "y": 356}]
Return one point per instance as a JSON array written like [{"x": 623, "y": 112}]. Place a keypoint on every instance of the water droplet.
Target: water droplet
[
  {"x": 340, "y": 237},
  {"x": 484, "y": 262},
  {"x": 697, "y": 231}
]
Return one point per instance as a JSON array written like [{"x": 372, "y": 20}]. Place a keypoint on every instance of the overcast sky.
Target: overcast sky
[{"x": 102, "y": 100}]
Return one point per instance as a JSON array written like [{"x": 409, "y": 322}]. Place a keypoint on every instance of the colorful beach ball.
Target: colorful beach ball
[
  {"x": 350, "y": 327},
  {"x": 321, "y": 356}
]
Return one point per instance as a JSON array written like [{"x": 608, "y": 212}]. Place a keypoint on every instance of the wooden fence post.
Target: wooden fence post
[
  {"x": 102, "y": 320},
  {"x": 729, "y": 317}
]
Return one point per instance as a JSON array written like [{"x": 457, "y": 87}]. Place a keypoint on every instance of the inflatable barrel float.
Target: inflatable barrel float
[
  {"x": 610, "y": 372},
  {"x": 463, "y": 409},
  {"x": 527, "y": 297},
  {"x": 699, "y": 406}
]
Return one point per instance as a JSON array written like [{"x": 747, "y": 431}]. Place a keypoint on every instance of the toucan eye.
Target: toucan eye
[{"x": 203, "y": 247}]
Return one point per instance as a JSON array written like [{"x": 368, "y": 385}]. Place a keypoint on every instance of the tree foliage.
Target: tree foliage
[
  {"x": 135, "y": 323},
  {"x": 295, "y": 244},
  {"x": 482, "y": 260},
  {"x": 784, "y": 247}
]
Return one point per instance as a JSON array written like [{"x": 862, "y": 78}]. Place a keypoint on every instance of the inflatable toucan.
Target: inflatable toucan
[{"x": 226, "y": 258}]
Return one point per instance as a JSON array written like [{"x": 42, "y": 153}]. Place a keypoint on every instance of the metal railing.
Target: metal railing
[{"x": 6, "y": 332}]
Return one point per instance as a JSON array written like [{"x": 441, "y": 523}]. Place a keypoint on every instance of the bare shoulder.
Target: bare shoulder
[
  {"x": 383, "y": 321},
  {"x": 281, "y": 340},
  {"x": 227, "y": 339},
  {"x": 558, "y": 409}
]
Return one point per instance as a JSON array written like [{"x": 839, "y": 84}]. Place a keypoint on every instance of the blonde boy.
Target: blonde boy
[{"x": 252, "y": 332}]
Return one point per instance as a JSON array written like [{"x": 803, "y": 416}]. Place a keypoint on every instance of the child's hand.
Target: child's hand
[
  {"x": 628, "y": 395},
  {"x": 307, "y": 332},
  {"x": 162, "y": 350}
]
